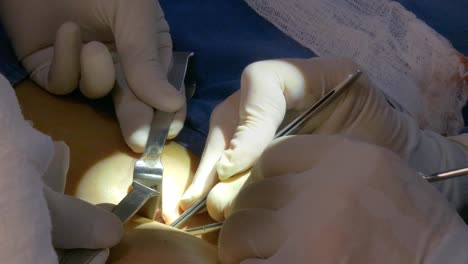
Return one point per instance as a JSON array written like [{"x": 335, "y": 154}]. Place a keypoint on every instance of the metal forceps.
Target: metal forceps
[{"x": 290, "y": 129}]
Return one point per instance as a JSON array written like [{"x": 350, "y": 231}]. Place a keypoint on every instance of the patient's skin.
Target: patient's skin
[{"x": 100, "y": 171}]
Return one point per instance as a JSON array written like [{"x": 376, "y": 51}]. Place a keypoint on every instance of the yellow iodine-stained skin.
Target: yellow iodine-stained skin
[{"x": 100, "y": 171}]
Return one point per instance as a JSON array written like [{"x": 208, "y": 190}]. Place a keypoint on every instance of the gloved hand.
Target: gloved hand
[
  {"x": 334, "y": 200},
  {"x": 66, "y": 44},
  {"x": 76, "y": 223},
  {"x": 36, "y": 218},
  {"x": 244, "y": 124}
]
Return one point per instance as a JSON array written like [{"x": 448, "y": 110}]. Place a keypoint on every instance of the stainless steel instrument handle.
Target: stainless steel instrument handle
[
  {"x": 133, "y": 201},
  {"x": 146, "y": 183}
]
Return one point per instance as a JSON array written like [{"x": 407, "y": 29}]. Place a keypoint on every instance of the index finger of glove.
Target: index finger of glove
[
  {"x": 78, "y": 224},
  {"x": 223, "y": 122}
]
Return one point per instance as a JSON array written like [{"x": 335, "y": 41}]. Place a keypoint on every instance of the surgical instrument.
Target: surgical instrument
[
  {"x": 440, "y": 176},
  {"x": 148, "y": 170},
  {"x": 290, "y": 129}
]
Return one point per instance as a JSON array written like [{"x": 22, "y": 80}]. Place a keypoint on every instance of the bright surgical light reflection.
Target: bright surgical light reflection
[{"x": 107, "y": 180}]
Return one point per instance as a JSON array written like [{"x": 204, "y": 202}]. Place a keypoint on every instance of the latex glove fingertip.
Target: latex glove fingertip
[
  {"x": 137, "y": 140},
  {"x": 177, "y": 123},
  {"x": 221, "y": 197},
  {"x": 228, "y": 165},
  {"x": 97, "y": 70},
  {"x": 109, "y": 228},
  {"x": 89, "y": 225},
  {"x": 216, "y": 206},
  {"x": 170, "y": 217},
  {"x": 189, "y": 198}
]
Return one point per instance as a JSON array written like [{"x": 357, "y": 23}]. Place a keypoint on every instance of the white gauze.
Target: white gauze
[{"x": 410, "y": 62}]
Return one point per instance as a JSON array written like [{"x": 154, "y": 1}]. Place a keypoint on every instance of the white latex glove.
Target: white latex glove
[
  {"x": 334, "y": 200},
  {"x": 78, "y": 224},
  {"x": 28, "y": 234},
  {"x": 65, "y": 44},
  {"x": 244, "y": 124}
]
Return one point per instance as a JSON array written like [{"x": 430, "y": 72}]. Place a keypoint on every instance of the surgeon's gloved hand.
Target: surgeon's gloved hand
[
  {"x": 78, "y": 224},
  {"x": 68, "y": 44},
  {"x": 36, "y": 216},
  {"x": 334, "y": 200},
  {"x": 243, "y": 125}
]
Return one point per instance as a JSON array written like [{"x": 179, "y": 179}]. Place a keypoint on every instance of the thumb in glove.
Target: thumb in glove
[{"x": 78, "y": 224}]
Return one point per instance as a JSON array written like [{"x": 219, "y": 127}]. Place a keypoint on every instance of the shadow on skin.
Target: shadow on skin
[
  {"x": 91, "y": 133},
  {"x": 101, "y": 166}
]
